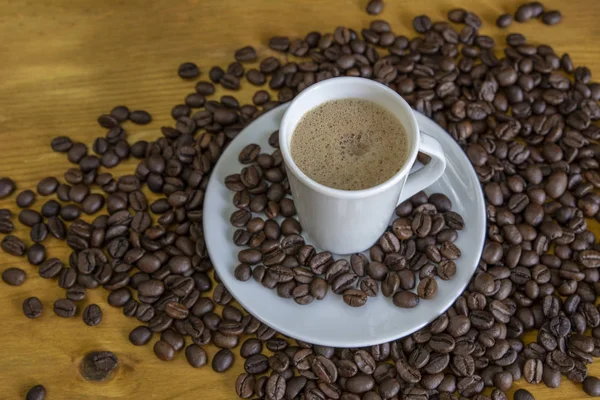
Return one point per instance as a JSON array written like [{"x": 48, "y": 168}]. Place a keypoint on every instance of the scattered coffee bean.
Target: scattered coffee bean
[
  {"x": 37, "y": 392},
  {"x": 375, "y": 7},
  {"x": 222, "y": 360},
  {"x": 196, "y": 356},
  {"x": 32, "y": 307},
  {"x": 65, "y": 308},
  {"x": 25, "y": 199},
  {"x": 591, "y": 386},
  {"x": 140, "y": 117},
  {"x": 188, "y": 70},
  {"x": 92, "y": 315},
  {"x": 140, "y": 335},
  {"x": 13, "y": 276},
  {"x": 504, "y": 20},
  {"x": 551, "y": 17},
  {"x": 120, "y": 113},
  {"x": 7, "y": 187},
  {"x": 523, "y": 394}
]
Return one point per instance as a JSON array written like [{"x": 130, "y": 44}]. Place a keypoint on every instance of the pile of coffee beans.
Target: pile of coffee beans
[
  {"x": 529, "y": 11},
  {"x": 419, "y": 243},
  {"x": 528, "y": 123}
]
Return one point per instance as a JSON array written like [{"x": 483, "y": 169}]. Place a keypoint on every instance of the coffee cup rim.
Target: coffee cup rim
[{"x": 412, "y": 131}]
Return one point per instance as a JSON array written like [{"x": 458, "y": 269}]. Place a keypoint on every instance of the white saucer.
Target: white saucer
[{"x": 330, "y": 322}]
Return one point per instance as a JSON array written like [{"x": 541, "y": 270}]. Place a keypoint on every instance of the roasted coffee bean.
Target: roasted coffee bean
[
  {"x": 188, "y": 70},
  {"x": 61, "y": 144},
  {"x": 140, "y": 335},
  {"x": 140, "y": 117},
  {"x": 405, "y": 299},
  {"x": 64, "y": 308},
  {"x": 37, "y": 392},
  {"x": 591, "y": 386},
  {"x": 551, "y": 17},
  {"x": 504, "y": 20},
  {"x": 422, "y": 24},
  {"x": 14, "y": 276},
  {"x": 30, "y": 217},
  {"x": 522, "y": 394},
  {"x": 244, "y": 385},
  {"x": 222, "y": 360},
  {"x": 47, "y": 186},
  {"x": 25, "y": 199},
  {"x": 164, "y": 351},
  {"x": 36, "y": 254},
  {"x": 32, "y": 307},
  {"x": 92, "y": 315}
]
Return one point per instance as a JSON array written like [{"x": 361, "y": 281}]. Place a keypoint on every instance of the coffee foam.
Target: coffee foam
[{"x": 349, "y": 144}]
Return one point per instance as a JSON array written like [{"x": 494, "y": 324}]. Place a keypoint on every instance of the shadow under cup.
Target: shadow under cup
[{"x": 344, "y": 221}]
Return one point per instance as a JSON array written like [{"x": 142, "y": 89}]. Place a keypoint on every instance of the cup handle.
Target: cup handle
[{"x": 430, "y": 172}]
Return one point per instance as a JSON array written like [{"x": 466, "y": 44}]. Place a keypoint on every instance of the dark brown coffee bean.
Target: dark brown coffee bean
[
  {"x": 92, "y": 315},
  {"x": 61, "y": 144},
  {"x": 523, "y": 394},
  {"x": 222, "y": 360},
  {"x": 13, "y": 245},
  {"x": 37, "y": 392},
  {"x": 504, "y": 20},
  {"x": 140, "y": 117},
  {"x": 25, "y": 199},
  {"x": 188, "y": 70},
  {"x": 551, "y": 17},
  {"x": 64, "y": 308},
  {"x": 422, "y": 23},
  {"x": 32, "y": 307},
  {"x": 13, "y": 276},
  {"x": 279, "y": 43},
  {"x": 405, "y": 299}
]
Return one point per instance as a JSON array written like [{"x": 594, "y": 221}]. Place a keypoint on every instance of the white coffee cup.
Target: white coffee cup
[{"x": 350, "y": 221}]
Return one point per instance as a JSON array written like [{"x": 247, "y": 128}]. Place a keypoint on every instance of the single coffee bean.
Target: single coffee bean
[
  {"x": 65, "y": 308},
  {"x": 36, "y": 254},
  {"x": 61, "y": 144},
  {"x": 140, "y": 335},
  {"x": 164, "y": 351},
  {"x": 244, "y": 385},
  {"x": 422, "y": 24},
  {"x": 504, "y": 20},
  {"x": 25, "y": 199},
  {"x": 140, "y": 117},
  {"x": 375, "y": 7},
  {"x": 523, "y": 394},
  {"x": 405, "y": 299},
  {"x": 92, "y": 315},
  {"x": 551, "y": 17},
  {"x": 120, "y": 113},
  {"x": 591, "y": 386},
  {"x": 222, "y": 360},
  {"x": 38, "y": 392},
  {"x": 188, "y": 70},
  {"x": 196, "y": 356},
  {"x": 13, "y": 276},
  {"x": 7, "y": 187},
  {"x": 32, "y": 307}
]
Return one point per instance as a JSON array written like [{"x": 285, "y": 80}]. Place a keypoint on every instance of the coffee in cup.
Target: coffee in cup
[{"x": 349, "y": 144}]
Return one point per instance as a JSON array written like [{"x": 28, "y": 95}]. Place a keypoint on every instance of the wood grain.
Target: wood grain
[{"x": 66, "y": 62}]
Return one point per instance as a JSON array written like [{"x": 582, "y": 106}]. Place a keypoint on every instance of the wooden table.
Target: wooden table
[{"x": 66, "y": 62}]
